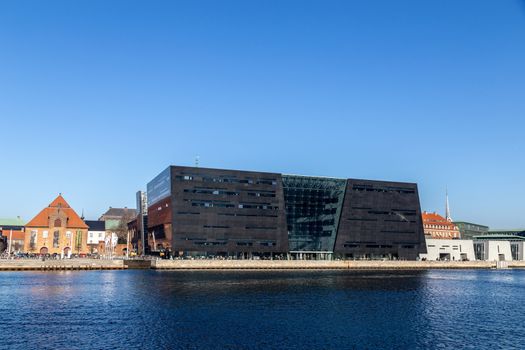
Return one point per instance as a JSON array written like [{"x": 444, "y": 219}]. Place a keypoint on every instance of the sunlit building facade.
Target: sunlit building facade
[
  {"x": 57, "y": 229},
  {"x": 438, "y": 227},
  {"x": 245, "y": 214}
]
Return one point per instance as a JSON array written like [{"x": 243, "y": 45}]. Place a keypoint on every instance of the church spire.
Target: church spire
[{"x": 447, "y": 207}]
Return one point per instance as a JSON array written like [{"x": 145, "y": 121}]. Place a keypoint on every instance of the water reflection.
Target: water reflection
[{"x": 262, "y": 309}]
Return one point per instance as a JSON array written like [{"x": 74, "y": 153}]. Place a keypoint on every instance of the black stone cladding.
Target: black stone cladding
[
  {"x": 227, "y": 211},
  {"x": 231, "y": 211}
]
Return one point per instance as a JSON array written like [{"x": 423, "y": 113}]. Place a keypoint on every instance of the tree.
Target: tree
[{"x": 121, "y": 230}]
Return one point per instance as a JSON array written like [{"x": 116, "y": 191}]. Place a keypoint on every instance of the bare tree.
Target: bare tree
[{"x": 122, "y": 228}]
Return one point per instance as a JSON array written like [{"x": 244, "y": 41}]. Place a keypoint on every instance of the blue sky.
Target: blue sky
[{"x": 97, "y": 97}]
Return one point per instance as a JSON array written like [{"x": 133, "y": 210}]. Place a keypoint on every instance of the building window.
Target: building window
[
  {"x": 32, "y": 240},
  {"x": 58, "y": 223},
  {"x": 56, "y": 239},
  {"x": 78, "y": 241}
]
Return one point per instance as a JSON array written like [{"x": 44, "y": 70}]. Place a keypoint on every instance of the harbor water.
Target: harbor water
[{"x": 146, "y": 309}]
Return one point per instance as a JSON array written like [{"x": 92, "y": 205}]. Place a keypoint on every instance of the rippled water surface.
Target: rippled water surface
[{"x": 251, "y": 310}]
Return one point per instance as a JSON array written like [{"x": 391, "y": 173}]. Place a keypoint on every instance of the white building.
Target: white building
[
  {"x": 449, "y": 249},
  {"x": 96, "y": 232},
  {"x": 493, "y": 250}
]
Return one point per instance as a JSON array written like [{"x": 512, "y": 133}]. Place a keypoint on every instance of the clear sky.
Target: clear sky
[{"x": 97, "y": 97}]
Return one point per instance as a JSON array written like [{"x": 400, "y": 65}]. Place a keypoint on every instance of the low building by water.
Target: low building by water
[
  {"x": 449, "y": 249},
  {"x": 516, "y": 244},
  {"x": 480, "y": 248}
]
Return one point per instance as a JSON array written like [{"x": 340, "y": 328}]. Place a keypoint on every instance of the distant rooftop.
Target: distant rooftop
[
  {"x": 507, "y": 230},
  {"x": 497, "y": 237},
  {"x": 118, "y": 213},
  {"x": 12, "y": 222},
  {"x": 96, "y": 225}
]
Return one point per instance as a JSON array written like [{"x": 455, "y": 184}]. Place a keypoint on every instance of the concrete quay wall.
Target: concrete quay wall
[
  {"x": 100, "y": 264},
  {"x": 66, "y": 264},
  {"x": 323, "y": 265}
]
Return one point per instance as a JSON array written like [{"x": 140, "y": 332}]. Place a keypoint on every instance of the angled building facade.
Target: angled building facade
[
  {"x": 380, "y": 220},
  {"x": 199, "y": 211}
]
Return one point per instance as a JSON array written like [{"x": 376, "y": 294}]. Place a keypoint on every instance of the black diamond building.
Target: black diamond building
[{"x": 245, "y": 214}]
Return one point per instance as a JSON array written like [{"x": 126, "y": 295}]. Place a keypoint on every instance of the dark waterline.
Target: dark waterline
[{"x": 252, "y": 310}]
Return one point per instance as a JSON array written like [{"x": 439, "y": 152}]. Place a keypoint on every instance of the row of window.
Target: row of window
[
  {"x": 228, "y": 179},
  {"x": 392, "y": 212},
  {"x": 238, "y": 243},
  {"x": 440, "y": 227},
  {"x": 384, "y": 189},
  {"x": 231, "y": 214},
  {"x": 386, "y": 220},
  {"x": 355, "y": 245},
  {"x": 249, "y": 215},
  {"x": 56, "y": 238},
  {"x": 225, "y": 204},
  {"x": 302, "y": 233},
  {"x": 246, "y": 227},
  {"x": 442, "y": 234},
  {"x": 230, "y": 193}
]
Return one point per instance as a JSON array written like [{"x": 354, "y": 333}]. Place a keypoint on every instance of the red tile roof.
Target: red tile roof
[
  {"x": 439, "y": 227},
  {"x": 17, "y": 234},
  {"x": 433, "y": 218},
  {"x": 59, "y": 204}
]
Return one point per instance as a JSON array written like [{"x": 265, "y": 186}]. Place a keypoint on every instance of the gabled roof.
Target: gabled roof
[
  {"x": 58, "y": 204},
  {"x": 119, "y": 212}
]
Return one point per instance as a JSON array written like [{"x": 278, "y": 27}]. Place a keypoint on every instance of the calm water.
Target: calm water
[{"x": 252, "y": 310}]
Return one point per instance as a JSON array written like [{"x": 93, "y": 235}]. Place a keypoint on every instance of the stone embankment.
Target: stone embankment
[
  {"x": 100, "y": 264},
  {"x": 57, "y": 265},
  {"x": 327, "y": 265}
]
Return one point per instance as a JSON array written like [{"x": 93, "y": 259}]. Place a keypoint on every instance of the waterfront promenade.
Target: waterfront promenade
[
  {"x": 103, "y": 264},
  {"x": 64, "y": 264},
  {"x": 326, "y": 265}
]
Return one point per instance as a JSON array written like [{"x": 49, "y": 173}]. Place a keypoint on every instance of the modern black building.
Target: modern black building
[{"x": 241, "y": 214}]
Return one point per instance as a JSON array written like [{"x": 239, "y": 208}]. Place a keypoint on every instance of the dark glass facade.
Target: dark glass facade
[
  {"x": 242, "y": 213},
  {"x": 313, "y": 208}
]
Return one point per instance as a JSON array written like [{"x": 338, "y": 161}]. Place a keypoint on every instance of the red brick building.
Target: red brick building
[{"x": 57, "y": 229}]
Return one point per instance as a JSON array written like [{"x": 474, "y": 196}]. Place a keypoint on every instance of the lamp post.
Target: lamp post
[
  {"x": 10, "y": 241},
  {"x": 127, "y": 245}
]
